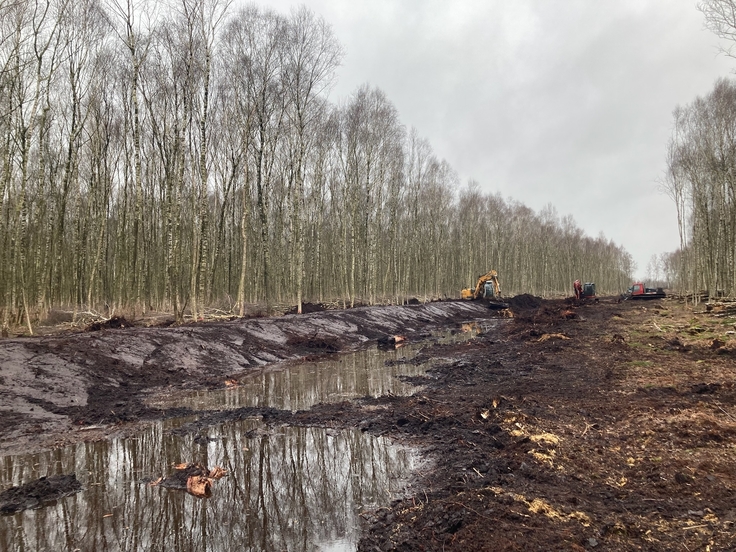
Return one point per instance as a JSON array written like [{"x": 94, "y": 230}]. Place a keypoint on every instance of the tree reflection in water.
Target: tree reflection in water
[
  {"x": 299, "y": 489},
  {"x": 300, "y": 385},
  {"x": 297, "y": 386},
  {"x": 296, "y": 489}
]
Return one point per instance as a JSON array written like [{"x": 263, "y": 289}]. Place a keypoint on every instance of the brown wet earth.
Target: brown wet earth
[{"x": 596, "y": 426}]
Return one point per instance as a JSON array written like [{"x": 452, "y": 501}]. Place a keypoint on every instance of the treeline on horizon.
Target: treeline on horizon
[{"x": 190, "y": 158}]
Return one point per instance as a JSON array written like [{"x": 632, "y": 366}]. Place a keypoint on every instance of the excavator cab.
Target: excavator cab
[{"x": 487, "y": 287}]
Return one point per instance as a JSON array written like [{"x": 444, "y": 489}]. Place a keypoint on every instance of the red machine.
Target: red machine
[{"x": 640, "y": 291}]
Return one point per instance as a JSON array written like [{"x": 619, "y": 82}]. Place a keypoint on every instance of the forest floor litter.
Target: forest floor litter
[{"x": 607, "y": 425}]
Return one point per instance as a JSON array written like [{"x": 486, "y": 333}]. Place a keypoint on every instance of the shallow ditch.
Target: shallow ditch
[
  {"x": 293, "y": 489},
  {"x": 293, "y": 386},
  {"x": 289, "y": 488}
]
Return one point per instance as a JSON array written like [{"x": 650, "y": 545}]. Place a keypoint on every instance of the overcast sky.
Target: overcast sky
[{"x": 567, "y": 102}]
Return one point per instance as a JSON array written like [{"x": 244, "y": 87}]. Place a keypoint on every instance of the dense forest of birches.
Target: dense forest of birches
[
  {"x": 188, "y": 158},
  {"x": 701, "y": 177}
]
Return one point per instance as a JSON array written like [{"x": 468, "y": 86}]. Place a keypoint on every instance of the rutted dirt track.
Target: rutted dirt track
[{"x": 604, "y": 426}]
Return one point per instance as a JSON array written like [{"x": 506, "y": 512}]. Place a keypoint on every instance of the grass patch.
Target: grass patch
[{"x": 637, "y": 345}]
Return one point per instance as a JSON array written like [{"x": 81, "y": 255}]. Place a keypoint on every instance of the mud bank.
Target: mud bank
[{"x": 57, "y": 389}]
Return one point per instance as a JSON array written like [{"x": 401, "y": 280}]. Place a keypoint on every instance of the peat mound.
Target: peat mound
[
  {"x": 38, "y": 493},
  {"x": 524, "y": 303},
  {"x": 308, "y": 308},
  {"x": 116, "y": 322}
]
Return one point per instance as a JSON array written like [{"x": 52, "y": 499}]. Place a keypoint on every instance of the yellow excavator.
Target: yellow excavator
[{"x": 487, "y": 287}]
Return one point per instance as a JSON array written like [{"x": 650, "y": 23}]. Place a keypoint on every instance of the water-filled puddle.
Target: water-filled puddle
[
  {"x": 289, "y": 488},
  {"x": 297, "y": 386}
]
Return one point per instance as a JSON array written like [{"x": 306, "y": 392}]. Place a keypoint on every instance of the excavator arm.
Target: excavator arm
[{"x": 496, "y": 286}]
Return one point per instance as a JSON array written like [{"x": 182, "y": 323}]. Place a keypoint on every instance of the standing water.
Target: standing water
[{"x": 290, "y": 488}]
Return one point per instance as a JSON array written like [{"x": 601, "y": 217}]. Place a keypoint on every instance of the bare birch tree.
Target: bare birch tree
[
  {"x": 311, "y": 55},
  {"x": 193, "y": 156}
]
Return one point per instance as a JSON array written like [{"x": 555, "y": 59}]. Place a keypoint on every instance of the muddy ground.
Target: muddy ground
[
  {"x": 61, "y": 388},
  {"x": 598, "y": 426}
]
